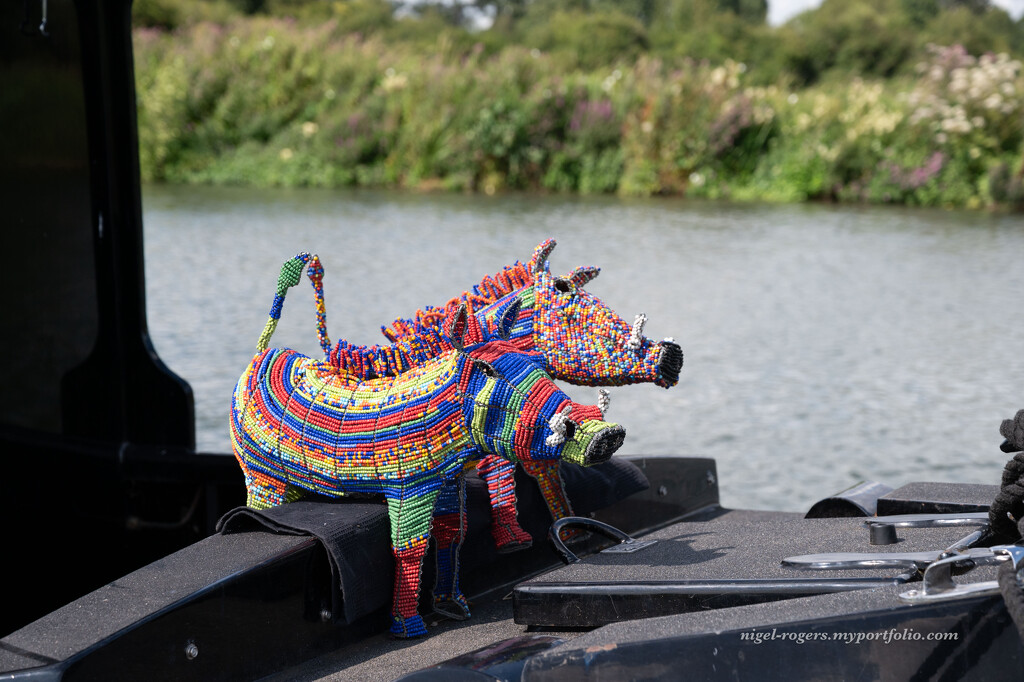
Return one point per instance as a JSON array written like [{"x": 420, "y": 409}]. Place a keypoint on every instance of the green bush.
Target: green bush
[
  {"x": 866, "y": 37},
  {"x": 989, "y": 31},
  {"x": 171, "y": 14},
  {"x": 279, "y": 102},
  {"x": 590, "y": 40}
]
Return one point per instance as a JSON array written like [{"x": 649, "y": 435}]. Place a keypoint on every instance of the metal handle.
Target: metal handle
[{"x": 626, "y": 542}]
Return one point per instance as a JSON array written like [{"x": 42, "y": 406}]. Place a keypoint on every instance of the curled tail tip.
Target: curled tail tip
[
  {"x": 291, "y": 272},
  {"x": 315, "y": 271}
]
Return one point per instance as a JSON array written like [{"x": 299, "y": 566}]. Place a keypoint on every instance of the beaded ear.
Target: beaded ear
[
  {"x": 455, "y": 326},
  {"x": 582, "y": 275},
  {"x": 540, "y": 256},
  {"x": 462, "y": 328},
  {"x": 507, "y": 318}
]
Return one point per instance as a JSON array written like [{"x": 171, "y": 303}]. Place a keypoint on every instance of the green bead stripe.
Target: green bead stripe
[{"x": 480, "y": 405}]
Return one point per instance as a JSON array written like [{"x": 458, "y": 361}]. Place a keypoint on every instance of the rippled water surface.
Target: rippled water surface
[{"x": 824, "y": 345}]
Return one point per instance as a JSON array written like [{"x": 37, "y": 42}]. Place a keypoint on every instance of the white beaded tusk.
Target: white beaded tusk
[
  {"x": 636, "y": 335},
  {"x": 604, "y": 399}
]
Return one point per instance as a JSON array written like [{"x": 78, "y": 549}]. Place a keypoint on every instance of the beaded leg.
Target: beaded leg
[
  {"x": 410, "y": 514},
  {"x": 499, "y": 474},
  {"x": 449, "y": 530},
  {"x": 548, "y": 477}
]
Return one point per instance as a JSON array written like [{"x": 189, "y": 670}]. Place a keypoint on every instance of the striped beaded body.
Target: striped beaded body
[{"x": 329, "y": 433}]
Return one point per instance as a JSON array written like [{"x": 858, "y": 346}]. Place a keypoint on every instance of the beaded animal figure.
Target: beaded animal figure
[
  {"x": 581, "y": 340},
  {"x": 301, "y": 425}
]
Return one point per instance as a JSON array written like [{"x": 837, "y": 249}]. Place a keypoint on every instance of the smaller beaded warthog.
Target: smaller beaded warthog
[
  {"x": 300, "y": 425},
  {"x": 580, "y": 339}
]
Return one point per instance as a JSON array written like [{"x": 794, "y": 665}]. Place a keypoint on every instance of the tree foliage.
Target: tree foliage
[{"x": 910, "y": 101}]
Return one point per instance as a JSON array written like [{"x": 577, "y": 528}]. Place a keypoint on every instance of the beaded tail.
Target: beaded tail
[
  {"x": 316, "y": 278},
  {"x": 291, "y": 273}
]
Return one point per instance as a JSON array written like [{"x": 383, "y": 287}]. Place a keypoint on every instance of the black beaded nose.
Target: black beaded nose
[
  {"x": 604, "y": 445},
  {"x": 670, "y": 363}
]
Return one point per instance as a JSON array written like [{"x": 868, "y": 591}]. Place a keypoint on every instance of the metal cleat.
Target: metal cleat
[{"x": 938, "y": 582}]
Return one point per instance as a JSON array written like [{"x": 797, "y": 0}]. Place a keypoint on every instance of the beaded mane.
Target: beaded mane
[{"x": 418, "y": 339}]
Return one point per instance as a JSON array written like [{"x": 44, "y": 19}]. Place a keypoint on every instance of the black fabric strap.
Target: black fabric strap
[{"x": 356, "y": 533}]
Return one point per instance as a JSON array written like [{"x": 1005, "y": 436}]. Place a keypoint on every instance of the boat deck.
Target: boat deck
[{"x": 733, "y": 544}]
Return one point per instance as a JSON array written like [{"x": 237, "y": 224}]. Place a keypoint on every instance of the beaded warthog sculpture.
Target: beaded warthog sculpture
[
  {"x": 300, "y": 425},
  {"x": 580, "y": 339}
]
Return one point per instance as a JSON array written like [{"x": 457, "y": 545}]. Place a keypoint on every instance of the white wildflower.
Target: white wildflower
[
  {"x": 394, "y": 81},
  {"x": 993, "y": 101}
]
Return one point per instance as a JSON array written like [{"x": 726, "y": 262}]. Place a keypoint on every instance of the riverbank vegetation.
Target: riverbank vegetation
[{"x": 915, "y": 102}]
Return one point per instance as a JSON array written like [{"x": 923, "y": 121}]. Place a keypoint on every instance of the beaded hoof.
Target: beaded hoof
[
  {"x": 508, "y": 535},
  {"x": 515, "y": 545},
  {"x": 412, "y": 626},
  {"x": 455, "y": 607}
]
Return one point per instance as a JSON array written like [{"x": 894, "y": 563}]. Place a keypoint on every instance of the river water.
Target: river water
[{"x": 824, "y": 345}]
